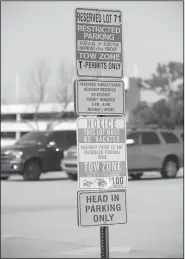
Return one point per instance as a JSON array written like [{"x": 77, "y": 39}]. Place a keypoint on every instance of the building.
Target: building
[{"x": 18, "y": 119}]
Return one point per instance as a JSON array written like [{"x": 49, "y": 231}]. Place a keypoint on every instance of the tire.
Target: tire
[
  {"x": 136, "y": 176},
  {"x": 73, "y": 177},
  {"x": 170, "y": 168},
  {"x": 4, "y": 178},
  {"x": 32, "y": 170}
]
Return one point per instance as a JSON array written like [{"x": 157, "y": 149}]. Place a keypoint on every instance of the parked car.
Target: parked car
[
  {"x": 36, "y": 153},
  {"x": 147, "y": 150},
  {"x": 69, "y": 162}
]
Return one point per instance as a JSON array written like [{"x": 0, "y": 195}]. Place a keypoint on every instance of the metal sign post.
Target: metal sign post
[
  {"x": 104, "y": 242},
  {"x": 101, "y": 142},
  {"x": 104, "y": 238}
]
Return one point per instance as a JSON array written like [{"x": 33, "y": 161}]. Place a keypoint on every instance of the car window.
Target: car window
[
  {"x": 169, "y": 137},
  {"x": 134, "y": 136},
  {"x": 149, "y": 138},
  {"x": 64, "y": 138},
  {"x": 71, "y": 137},
  {"x": 34, "y": 137}
]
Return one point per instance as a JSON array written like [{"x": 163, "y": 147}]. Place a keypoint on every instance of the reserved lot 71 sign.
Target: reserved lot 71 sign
[
  {"x": 99, "y": 43},
  {"x": 100, "y": 97},
  {"x": 102, "y": 208},
  {"x": 101, "y": 144}
]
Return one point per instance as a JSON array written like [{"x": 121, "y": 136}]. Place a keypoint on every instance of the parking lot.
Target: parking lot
[{"x": 39, "y": 219}]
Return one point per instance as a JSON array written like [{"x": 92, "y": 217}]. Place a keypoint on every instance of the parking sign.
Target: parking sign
[
  {"x": 102, "y": 162},
  {"x": 97, "y": 208},
  {"x": 99, "y": 43},
  {"x": 99, "y": 97}
]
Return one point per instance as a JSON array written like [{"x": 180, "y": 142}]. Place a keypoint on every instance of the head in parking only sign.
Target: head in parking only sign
[
  {"x": 102, "y": 208},
  {"x": 99, "y": 43}
]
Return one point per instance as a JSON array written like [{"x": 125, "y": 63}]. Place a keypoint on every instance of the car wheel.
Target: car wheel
[
  {"x": 170, "y": 169},
  {"x": 32, "y": 171},
  {"x": 4, "y": 177},
  {"x": 73, "y": 177},
  {"x": 136, "y": 176}
]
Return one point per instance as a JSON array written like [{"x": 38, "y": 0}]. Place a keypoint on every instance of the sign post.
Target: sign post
[
  {"x": 104, "y": 242},
  {"x": 101, "y": 140}
]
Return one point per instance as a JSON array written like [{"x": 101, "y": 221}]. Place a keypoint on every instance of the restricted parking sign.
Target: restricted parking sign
[
  {"x": 98, "y": 97},
  {"x": 101, "y": 144},
  {"x": 99, "y": 43}
]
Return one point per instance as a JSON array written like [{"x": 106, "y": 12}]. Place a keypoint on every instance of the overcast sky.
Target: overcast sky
[{"x": 153, "y": 32}]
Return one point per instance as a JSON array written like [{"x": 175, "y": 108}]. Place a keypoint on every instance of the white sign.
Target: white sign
[
  {"x": 102, "y": 208},
  {"x": 102, "y": 159},
  {"x": 100, "y": 97},
  {"x": 99, "y": 43}
]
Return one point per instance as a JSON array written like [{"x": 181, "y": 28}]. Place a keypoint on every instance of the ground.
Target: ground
[{"x": 39, "y": 219}]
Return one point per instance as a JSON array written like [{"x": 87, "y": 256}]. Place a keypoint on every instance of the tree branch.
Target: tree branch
[{"x": 62, "y": 96}]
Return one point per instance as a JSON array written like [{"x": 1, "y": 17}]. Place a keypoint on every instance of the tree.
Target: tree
[
  {"x": 142, "y": 114},
  {"x": 38, "y": 91},
  {"x": 37, "y": 88},
  {"x": 161, "y": 113},
  {"x": 177, "y": 107},
  {"x": 166, "y": 79},
  {"x": 63, "y": 95},
  {"x": 167, "y": 112}
]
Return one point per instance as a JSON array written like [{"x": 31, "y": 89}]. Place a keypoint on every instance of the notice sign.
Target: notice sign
[
  {"x": 100, "y": 97},
  {"x": 99, "y": 43},
  {"x": 101, "y": 144},
  {"x": 102, "y": 208}
]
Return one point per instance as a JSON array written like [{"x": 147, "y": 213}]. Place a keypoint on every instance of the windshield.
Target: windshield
[{"x": 34, "y": 138}]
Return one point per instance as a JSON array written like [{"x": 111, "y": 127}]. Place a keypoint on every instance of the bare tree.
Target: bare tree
[
  {"x": 63, "y": 96},
  {"x": 37, "y": 88}
]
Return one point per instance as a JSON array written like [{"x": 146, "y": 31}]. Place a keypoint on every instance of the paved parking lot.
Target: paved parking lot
[{"x": 39, "y": 219}]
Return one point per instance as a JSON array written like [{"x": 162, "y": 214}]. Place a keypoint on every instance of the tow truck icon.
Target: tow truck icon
[
  {"x": 101, "y": 182},
  {"x": 87, "y": 183}
]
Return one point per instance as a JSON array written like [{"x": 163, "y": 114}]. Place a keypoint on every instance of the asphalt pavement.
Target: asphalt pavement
[{"x": 39, "y": 219}]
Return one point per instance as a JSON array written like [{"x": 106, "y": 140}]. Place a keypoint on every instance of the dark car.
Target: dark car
[{"x": 36, "y": 153}]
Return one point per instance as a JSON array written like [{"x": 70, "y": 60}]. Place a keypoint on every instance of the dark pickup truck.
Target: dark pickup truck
[{"x": 36, "y": 153}]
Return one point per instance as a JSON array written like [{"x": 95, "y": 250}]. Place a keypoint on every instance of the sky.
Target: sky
[{"x": 33, "y": 31}]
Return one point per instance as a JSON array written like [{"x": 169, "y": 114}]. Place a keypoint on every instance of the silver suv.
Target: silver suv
[{"x": 147, "y": 150}]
